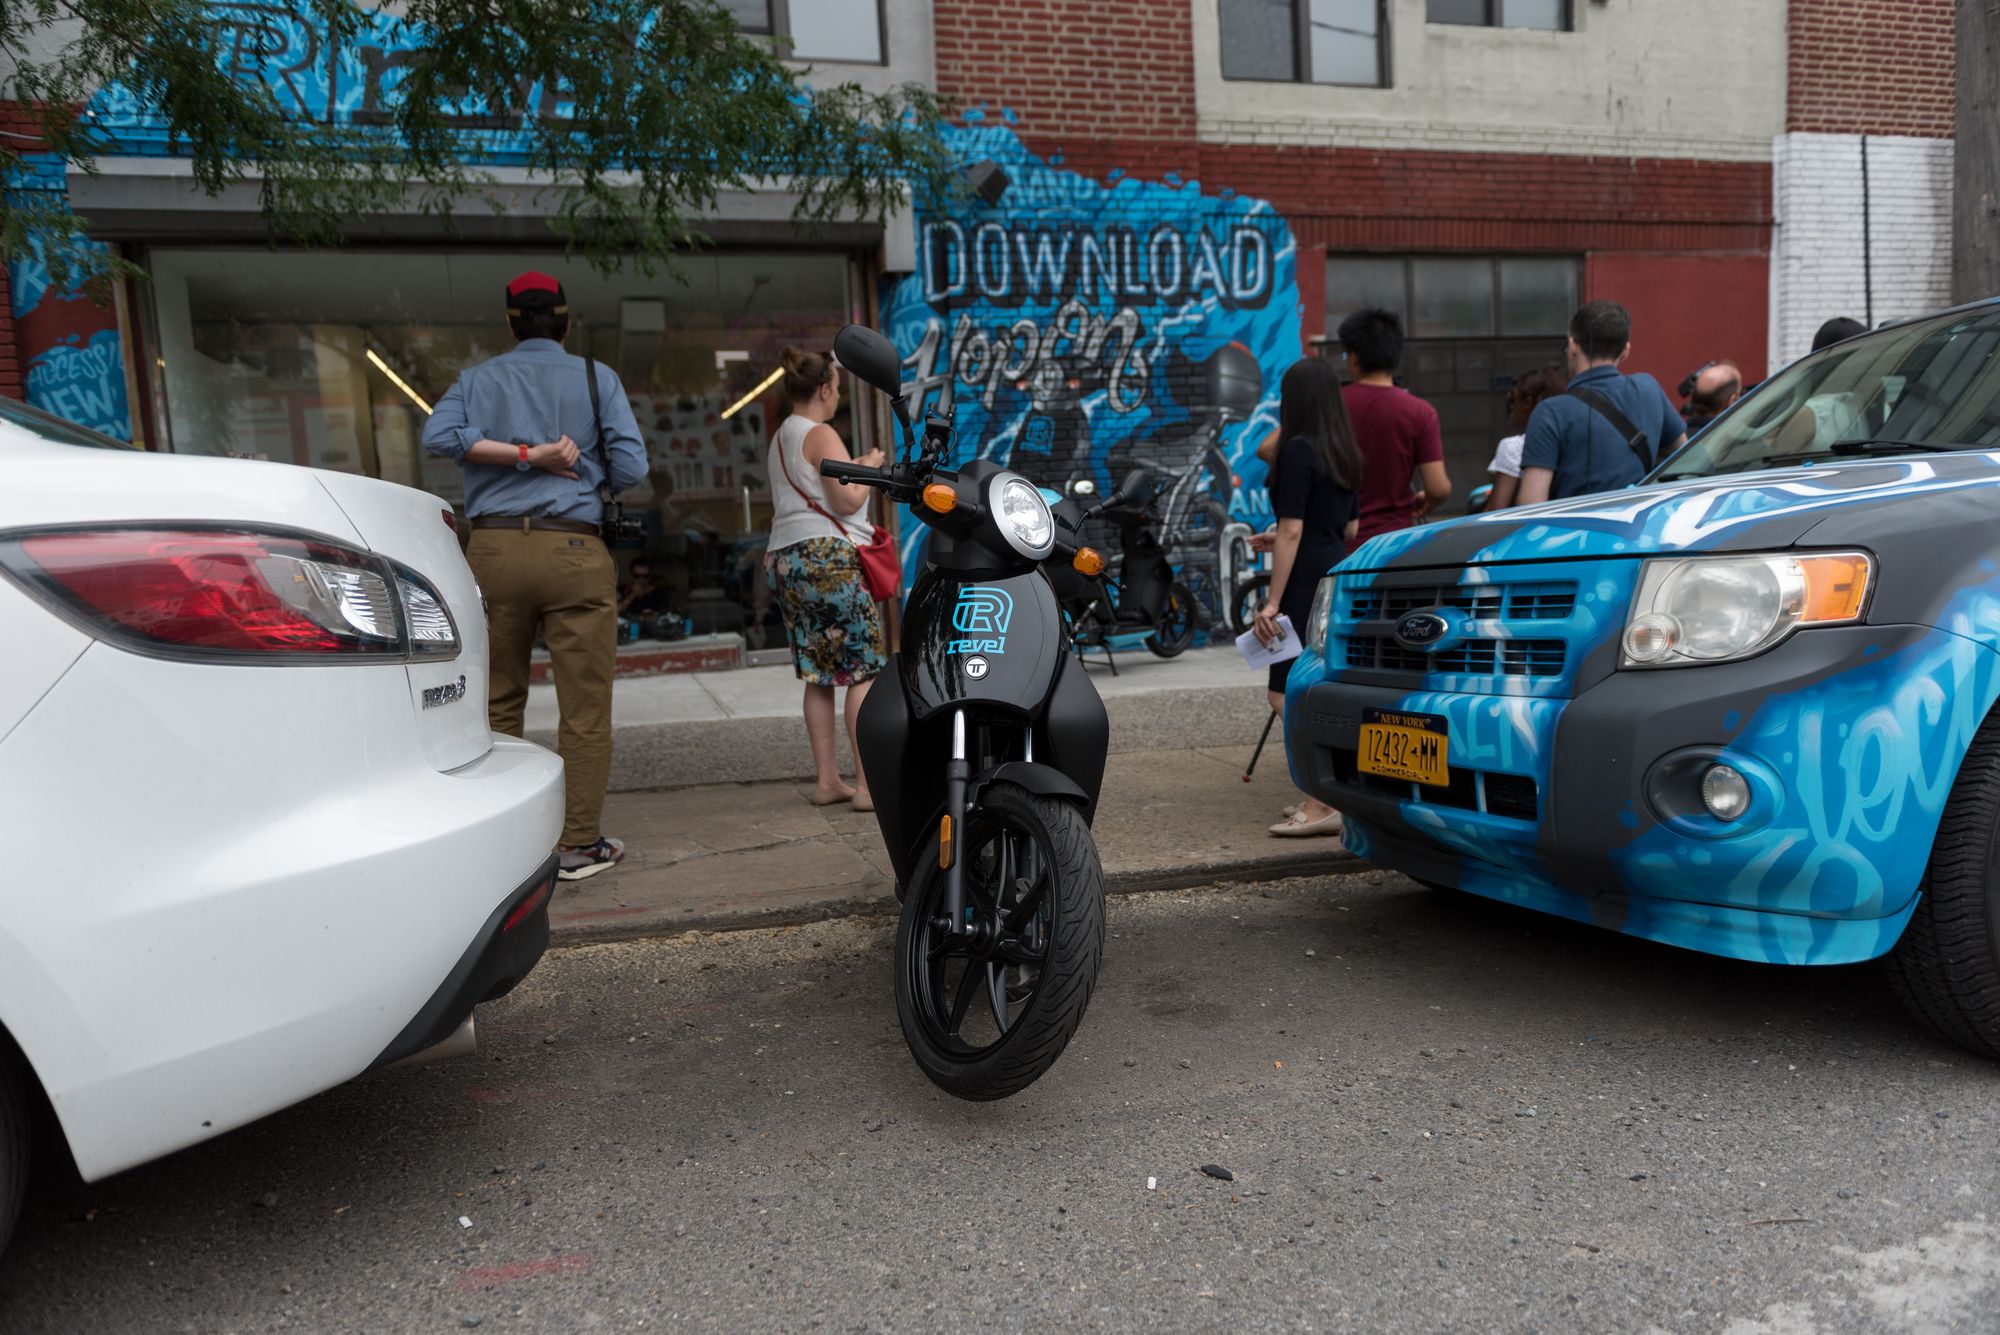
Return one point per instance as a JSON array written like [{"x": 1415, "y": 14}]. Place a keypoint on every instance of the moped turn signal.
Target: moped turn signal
[
  {"x": 1088, "y": 561},
  {"x": 940, "y": 498}
]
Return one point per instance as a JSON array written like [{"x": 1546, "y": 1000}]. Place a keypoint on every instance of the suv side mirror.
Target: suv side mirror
[{"x": 870, "y": 356}]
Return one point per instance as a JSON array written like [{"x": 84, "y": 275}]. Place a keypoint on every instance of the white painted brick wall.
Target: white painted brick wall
[{"x": 1816, "y": 245}]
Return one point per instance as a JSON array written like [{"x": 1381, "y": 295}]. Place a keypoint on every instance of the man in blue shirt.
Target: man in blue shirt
[
  {"x": 523, "y": 427},
  {"x": 1609, "y": 429}
]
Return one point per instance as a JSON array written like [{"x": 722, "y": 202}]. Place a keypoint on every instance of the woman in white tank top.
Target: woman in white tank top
[{"x": 834, "y": 627}]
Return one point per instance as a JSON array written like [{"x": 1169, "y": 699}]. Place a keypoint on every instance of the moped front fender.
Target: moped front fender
[{"x": 1042, "y": 780}]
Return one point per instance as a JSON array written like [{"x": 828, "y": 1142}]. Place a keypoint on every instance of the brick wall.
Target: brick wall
[
  {"x": 1830, "y": 257},
  {"x": 15, "y": 120},
  {"x": 1345, "y": 198},
  {"x": 1871, "y": 67},
  {"x": 1090, "y": 69},
  {"x": 11, "y": 383}
]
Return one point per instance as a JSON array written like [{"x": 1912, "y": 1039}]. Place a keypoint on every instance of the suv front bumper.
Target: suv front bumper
[{"x": 1589, "y": 807}]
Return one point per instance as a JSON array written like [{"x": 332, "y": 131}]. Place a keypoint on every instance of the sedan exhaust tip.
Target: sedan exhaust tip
[{"x": 463, "y": 1042}]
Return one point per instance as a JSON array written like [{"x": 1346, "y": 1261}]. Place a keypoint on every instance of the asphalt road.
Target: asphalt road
[{"x": 1440, "y": 1115}]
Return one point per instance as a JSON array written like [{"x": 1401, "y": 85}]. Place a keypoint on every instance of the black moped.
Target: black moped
[
  {"x": 1143, "y": 601},
  {"x": 984, "y": 744}
]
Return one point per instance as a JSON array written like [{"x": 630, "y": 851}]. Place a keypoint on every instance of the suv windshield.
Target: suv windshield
[{"x": 1928, "y": 385}]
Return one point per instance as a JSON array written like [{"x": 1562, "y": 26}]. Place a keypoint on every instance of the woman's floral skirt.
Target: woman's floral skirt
[{"x": 834, "y": 626}]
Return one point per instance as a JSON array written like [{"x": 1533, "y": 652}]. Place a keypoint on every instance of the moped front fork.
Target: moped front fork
[{"x": 951, "y": 839}]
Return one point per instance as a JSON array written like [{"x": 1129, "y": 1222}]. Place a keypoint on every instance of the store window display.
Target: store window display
[{"x": 333, "y": 359}]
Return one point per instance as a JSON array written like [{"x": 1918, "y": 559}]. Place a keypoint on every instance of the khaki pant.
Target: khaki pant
[{"x": 568, "y": 584}]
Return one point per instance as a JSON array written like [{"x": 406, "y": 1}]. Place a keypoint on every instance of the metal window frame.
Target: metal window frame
[
  {"x": 1496, "y": 17},
  {"x": 1498, "y": 9},
  {"x": 1302, "y": 48},
  {"x": 781, "y": 33},
  {"x": 771, "y": 9},
  {"x": 1407, "y": 259}
]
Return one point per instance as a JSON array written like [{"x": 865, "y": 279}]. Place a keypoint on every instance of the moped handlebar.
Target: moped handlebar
[{"x": 861, "y": 473}]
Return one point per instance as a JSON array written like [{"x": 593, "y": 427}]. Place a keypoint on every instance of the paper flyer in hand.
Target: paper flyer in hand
[{"x": 1281, "y": 650}]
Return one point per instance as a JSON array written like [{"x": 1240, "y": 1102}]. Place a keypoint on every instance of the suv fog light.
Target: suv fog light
[
  {"x": 1652, "y": 637},
  {"x": 1725, "y": 793}
]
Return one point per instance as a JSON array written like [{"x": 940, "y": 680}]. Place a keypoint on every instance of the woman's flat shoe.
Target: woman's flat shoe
[
  {"x": 1293, "y": 810},
  {"x": 822, "y": 798},
  {"x": 864, "y": 802},
  {"x": 1298, "y": 826}
]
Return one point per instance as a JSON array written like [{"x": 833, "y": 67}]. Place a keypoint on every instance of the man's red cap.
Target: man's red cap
[{"x": 538, "y": 289}]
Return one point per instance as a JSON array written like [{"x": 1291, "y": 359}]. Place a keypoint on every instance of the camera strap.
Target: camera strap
[
  {"x": 1640, "y": 444},
  {"x": 613, "y": 511}
]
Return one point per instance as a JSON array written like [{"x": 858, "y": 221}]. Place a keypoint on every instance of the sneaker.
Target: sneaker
[{"x": 577, "y": 864}]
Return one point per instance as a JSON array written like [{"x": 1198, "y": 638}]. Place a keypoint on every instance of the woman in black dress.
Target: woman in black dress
[{"x": 1313, "y": 485}]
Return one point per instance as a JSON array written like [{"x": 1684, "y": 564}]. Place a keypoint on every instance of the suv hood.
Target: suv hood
[{"x": 1738, "y": 512}]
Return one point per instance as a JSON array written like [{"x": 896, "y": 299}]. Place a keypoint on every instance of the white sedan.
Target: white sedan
[{"x": 258, "y": 836}]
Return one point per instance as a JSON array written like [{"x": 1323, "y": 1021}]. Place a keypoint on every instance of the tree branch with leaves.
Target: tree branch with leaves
[{"x": 631, "y": 118}]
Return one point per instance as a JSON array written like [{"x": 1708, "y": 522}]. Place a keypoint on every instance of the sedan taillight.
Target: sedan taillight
[{"x": 229, "y": 595}]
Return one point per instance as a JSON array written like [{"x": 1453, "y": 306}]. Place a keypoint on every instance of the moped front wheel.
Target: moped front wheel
[{"x": 987, "y": 1009}]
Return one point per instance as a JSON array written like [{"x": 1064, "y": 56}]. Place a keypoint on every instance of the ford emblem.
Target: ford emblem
[{"x": 1421, "y": 630}]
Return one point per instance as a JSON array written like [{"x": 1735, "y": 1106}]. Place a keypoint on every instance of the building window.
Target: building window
[
  {"x": 1548, "y": 15},
  {"x": 848, "y": 31},
  {"x": 1304, "y": 41},
  {"x": 1475, "y": 324}
]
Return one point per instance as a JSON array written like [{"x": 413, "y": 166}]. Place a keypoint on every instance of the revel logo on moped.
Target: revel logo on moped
[{"x": 982, "y": 615}]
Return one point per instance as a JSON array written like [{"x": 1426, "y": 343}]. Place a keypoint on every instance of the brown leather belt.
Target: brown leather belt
[{"x": 527, "y": 522}]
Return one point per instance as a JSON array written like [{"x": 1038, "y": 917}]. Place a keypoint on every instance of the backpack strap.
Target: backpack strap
[{"x": 1640, "y": 443}]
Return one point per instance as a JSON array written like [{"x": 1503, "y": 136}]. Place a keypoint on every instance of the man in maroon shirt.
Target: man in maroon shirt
[{"x": 1404, "y": 477}]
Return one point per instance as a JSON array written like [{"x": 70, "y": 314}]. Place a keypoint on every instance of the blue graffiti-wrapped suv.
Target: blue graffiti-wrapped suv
[{"x": 1748, "y": 708}]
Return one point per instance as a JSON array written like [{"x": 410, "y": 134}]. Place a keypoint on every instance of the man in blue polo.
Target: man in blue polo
[
  {"x": 1608, "y": 430},
  {"x": 525, "y": 430}
]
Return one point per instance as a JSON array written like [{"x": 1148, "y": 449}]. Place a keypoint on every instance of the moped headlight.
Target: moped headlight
[
  {"x": 1022, "y": 516},
  {"x": 1718, "y": 609},
  {"x": 1321, "y": 619}
]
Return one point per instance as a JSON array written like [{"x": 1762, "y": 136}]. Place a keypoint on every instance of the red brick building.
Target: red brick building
[{"x": 1434, "y": 147}]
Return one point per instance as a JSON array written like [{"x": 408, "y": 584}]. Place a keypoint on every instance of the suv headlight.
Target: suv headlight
[
  {"x": 1322, "y": 615},
  {"x": 1022, "y": 516},
  {"x": 1716, "y": 609}
]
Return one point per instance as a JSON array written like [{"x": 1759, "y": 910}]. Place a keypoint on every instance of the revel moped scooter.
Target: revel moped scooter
[{"x": 984, "y": 743}]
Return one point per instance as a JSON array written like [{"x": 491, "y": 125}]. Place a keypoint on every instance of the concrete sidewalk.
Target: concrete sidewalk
[
  {"x": 745, "y": 726},
  {"x": 744, "y": 855}
]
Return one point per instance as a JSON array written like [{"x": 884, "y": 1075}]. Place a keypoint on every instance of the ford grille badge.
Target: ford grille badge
[{"x": 1421, "y": 630}]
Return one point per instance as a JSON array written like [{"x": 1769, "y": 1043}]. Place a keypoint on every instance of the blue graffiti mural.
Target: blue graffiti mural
[
  {"x": 351, "y": 84},
  {"x": 83, "y": 380},
  {"x": 1091, "y": 326},
  {"x": 76, "y": 361}
]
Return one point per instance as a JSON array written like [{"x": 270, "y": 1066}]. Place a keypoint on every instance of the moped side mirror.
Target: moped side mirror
[
  {"x": 1131, "y": 488},
  {"x": 871, "y": 357}
]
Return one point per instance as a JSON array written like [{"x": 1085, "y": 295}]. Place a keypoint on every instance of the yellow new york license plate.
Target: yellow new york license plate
[{"x": 1411, "y": 747}]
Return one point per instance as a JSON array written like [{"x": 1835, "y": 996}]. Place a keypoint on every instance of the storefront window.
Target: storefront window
[{"x": 331, "y": 359}]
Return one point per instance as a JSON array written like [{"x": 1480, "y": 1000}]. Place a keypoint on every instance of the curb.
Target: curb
[
  {"x": 639, "y": 928},
  {"x": 773, "y": 748}
]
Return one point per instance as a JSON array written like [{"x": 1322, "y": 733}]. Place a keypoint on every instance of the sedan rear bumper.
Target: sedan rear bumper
[{"x": 504, "y": 952}]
